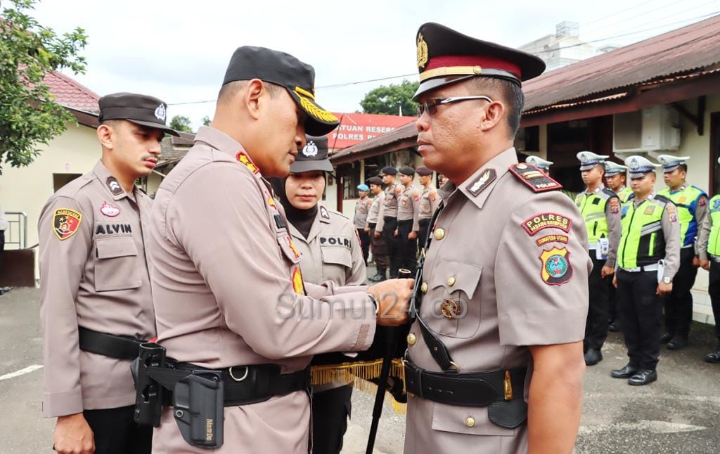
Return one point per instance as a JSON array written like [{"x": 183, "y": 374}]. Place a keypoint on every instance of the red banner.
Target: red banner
[{"x": 356, "y": 127}]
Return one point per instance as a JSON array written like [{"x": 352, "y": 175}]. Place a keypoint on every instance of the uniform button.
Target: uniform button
[
  {"x": 470, "y": 421},
  {"x": 439, "y": 234},
  {"x": 411, "y": 339},
  {"x": 451, "y": 281},
  {"x": 424, "y": 287}
]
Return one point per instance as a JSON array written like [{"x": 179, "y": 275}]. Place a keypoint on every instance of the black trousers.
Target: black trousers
[
  {"x": 391, "y": 242},
  {"x": 379, "y": 250},
  {"x": 596, "y": 326},
  {"x": 714, "y": 291},
  {"x": 364, "y": 243},
  {"x": 330, "y": 412},
  {"x": 408, "y": 247},
  {"x": 640, "y": 310},
  {"x": 2, "y": 249},
  {"x": 423, "y": 232},
  {"x": 679, "y": 303},
  {"x": 117, "y": 433},
  {"x": 612, "y": 303}
]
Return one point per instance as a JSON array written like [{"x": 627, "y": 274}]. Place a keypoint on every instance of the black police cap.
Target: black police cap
[
  {"x": 389, "y": 170},
  {"x": 407, "y": 171},
  {"x": 279, "y": 68},
  {"x": 313, "y": 156},
  {"x": 445, "y": 56},
  {"x": 375, "y": 180},
  {"x": 139, "y": 109},
  {"x": 423, "y": 171}
]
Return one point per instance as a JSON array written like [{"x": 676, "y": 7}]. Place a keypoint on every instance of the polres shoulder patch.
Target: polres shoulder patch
[{"x": 534, "y": 177}]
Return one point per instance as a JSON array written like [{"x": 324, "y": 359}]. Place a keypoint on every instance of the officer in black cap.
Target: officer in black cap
[
  {"x": 407, "y": 219},
  {"x": 387, "y": 220},
  {"x": 429, "y": 201},
  {"x": 377, "y": 242},
  {"x": 95, "y": 287}
]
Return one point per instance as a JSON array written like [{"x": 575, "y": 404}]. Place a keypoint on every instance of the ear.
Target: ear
[
  {"x": 492, "y": 115},
  {"x": 253, "y": 95},
  {"x": 105, "y": 136}
]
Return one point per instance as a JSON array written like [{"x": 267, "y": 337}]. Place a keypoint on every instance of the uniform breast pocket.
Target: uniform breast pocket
[
  {"x": 336, "y": 256},
  {"x": 116, "y": 264},
  {"x": 455, "y": 298}
]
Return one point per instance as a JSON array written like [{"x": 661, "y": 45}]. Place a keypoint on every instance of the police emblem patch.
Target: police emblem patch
[
  {"x": 66, "y": 223},
  {"x": 556, "y": 267},
  {"x": 310, "y": 149},
  {"x": 422, "y": 51},
  {"x": 534, "y": 224},
  {"x": 160, "y": 112},
  {"x": 451, "y": 309}
]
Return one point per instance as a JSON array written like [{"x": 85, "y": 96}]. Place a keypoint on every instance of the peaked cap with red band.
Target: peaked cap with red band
[{"x": 445, "y": 56}]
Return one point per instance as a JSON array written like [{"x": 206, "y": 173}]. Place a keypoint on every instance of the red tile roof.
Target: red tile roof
[{"x": 71, "y": 94}]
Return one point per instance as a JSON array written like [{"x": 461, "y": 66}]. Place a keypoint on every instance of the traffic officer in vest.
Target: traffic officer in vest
[
  {"x": 691, "y": 203},
  {"x": 387, "y": 218},
  {"x": 540, "y": 163},
  {"x": 362, "y": 208},
  {"x": 230, "y": 301},
  {"x": 408, "y": 219},
  {"x": 502, "y": 291},
  {"x": 377, "y": 242},
  {"x": 600, "y": 208},
  {"x": 616, "y": 177},
  {"x": 648, "y": 258},
  {"x": 429, "y": 201},
  {"x": 329, "y": 251},
  {"x": 95, "y": 296},
  {"x": 709, "y": 252}
]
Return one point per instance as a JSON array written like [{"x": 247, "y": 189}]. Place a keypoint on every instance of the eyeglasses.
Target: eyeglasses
[{"x": 430, "y": 105}]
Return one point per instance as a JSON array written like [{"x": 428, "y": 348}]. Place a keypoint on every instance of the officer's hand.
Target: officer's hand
[
  {"x": 396, "y": 233},
  {"x": 705, "y": 264},
  {"x": 367, "y": 229},
  {"x": 607, "y": 271},
  {"x": 73, "y": 435},
  {"x": 615, "y": 280},
  {"x": 697, "y": 262},
  {"x": 376, "y": 234},
  {"x": 664, "y": 289},
  {"x": 393, "y": 297},
  {"x": 412, "y": 235}
]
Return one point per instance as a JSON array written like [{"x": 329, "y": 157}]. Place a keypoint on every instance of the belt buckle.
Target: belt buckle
[{"x": 232, "y": 375}]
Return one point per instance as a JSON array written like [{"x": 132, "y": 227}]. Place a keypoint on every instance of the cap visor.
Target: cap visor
[
  {"x": 150, "y": 124},
  {"x": 309, "y": 166},
  {"x": 319, "y": 121},
  {"x": 437, "y": 82},
  {"x": 587, "y": 167}
]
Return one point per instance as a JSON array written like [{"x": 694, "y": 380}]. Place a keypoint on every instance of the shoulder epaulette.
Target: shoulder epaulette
[
  {"x": 337, "y": 213},
  {"x": 534, "y": 178},
  {"x": 610, "y": 193},
  {"x": 71, "y": 189},
  {"x": 662, "y": 199}
]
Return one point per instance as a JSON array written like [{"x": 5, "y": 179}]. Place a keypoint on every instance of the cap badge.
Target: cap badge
[
  {"x": 422, "y": 52},
  {"x": 583, "y": 158},
  {"x": 634, "y": 164},
  {"x": 160, "y": 112},
  {"x": 310, "y": 149}
]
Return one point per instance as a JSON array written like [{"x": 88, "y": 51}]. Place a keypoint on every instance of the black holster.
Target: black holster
[
  {"x": 148, "y": 392},
  {"x": 199, "y": 408}
]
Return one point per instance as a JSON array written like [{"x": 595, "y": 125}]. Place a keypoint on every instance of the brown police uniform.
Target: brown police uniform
[
  {"x": 387, "y": 224},
  {"x": 378, "y": 247},
  {"x": 408, "y": 222},
  {"x": 362, "y": 209},
  {"x": 429, "y": 201}
]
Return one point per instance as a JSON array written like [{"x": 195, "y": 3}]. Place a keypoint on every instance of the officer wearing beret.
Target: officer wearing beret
[
  {"x": 329, "y": 251},
  {"x": 429, "y": 201},
  {"x": 379, "y": 248},
  {"x": 600, "y": 208},
  {"x": 691, "y": 203},
  {"x": 362, "y": 208},
  {"x": 709, "y": 252},
  {"x": 503, "y": 285},
  {"x": 540, "y": 163},
  {"x": 408, "y": 219},
  {"x": 95, "y": 284},
  {"x": 228, "y": 290},
  {"x": 388, "y": 218},
  {"x": 647, "y": 260}
]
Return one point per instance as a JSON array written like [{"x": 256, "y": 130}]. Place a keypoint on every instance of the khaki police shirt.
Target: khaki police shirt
[
  {"x": 93, "y": 273},
  {"x": 374, "y": 209},
  {"x": 228, "y": 292},
  {"x": 429, "y": 201},
  {"x": 408, "y": 206},
  {"x": 389, "y": 206},
  {"x": 362, "y": 209},
  {"x": 493, "y": 249}
]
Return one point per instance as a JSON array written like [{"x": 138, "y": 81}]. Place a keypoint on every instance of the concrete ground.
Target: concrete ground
[{"x": 678, "y": 414}]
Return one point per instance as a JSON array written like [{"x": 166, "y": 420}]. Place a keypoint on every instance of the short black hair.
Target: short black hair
[
  {"x": 230, "y": 89},
  {"x": 509, "y": 92},
  {"x": 683, "y": 167}
]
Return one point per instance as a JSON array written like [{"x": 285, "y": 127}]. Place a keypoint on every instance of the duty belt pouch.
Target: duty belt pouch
[
  {"x": 198, "y": 408},
  {"x": 603, "y": 249},
  {"x": 508, "y": 413},
  {"x": 148, "y": 392}
]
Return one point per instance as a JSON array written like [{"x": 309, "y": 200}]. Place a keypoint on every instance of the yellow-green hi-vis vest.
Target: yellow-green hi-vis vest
[
  {"x": 713, "y": 246},
  {"x": 624, "y": 194},
  {"x": 592, "y": 207},
  {"x": 686, "y": 201},
  {"x": 642, "y": 241}
]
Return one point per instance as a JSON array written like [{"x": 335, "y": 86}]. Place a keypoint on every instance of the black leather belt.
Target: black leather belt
[
  {"x": 475, "y": 389},
  {"x": 243, "y": 385},
  {"x": 108, "y": 344}
]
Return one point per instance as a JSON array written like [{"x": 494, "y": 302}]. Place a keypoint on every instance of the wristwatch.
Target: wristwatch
[{"x": 667, "y": 280}]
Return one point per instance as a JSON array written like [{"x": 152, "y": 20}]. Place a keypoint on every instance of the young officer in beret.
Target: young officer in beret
[
  {"x": 95, "y": 284},
  {"x": 377, "y": 242},
  {"x": 503, "y": 292},
  {"x": 228, "y": 289}
]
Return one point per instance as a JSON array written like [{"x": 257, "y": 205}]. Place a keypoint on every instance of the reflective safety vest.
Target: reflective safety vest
[
  {"x": 686, "y": 200},
  {"x": 592, "y": 207},
  {"x": 713, "y": 246},
  {"x": 624, "y": 194},
  {"x": 642, "y": 241}
]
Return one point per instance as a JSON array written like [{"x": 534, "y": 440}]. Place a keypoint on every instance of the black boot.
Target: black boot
[
  {"x": 714, "y": 357},
  {"x": 379, "y": 277}
]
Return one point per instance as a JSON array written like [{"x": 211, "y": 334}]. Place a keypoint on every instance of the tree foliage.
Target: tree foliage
[
  {"x": 206, "y": 121},
  {"x": 181, "y": 123},
  {"x": 391, "y": 99},
  {"x": 29, "y": 116}
]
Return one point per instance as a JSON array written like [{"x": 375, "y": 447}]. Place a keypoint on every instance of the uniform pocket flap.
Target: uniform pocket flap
[
  {"x": 115, "y": 247},
  {"x": 336, "y": 256},
  {"x": 457, "y": 276},
  {"x": 466, "y": 420}
]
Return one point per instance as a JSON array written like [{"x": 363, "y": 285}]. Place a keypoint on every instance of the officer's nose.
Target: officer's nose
[{"x": 422, "y": 124}]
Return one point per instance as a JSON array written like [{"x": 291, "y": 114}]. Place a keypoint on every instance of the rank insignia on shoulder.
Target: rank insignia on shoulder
[
  {"x": 297, "y": 281},
  {"x": 482, "y": 182},
  {"x": 556, "y": 267},
  {"x": 534, "y": 177},
  {"x": 114, "y": 186},
  {"x": 324, "y": 213},
  {"x": 245, "y": 160},
  {"x": 66, "y": 223}
]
